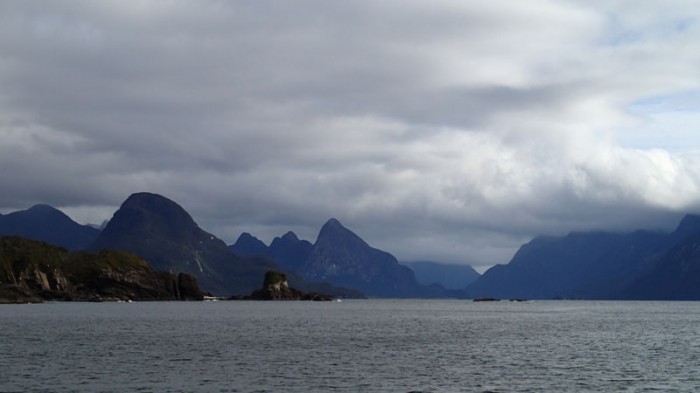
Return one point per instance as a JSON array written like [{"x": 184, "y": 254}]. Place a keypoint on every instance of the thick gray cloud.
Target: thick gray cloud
[{"x": 443, "y": 130}]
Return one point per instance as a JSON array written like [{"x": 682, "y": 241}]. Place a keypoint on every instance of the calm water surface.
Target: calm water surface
[{"x": 353, "y": 346}]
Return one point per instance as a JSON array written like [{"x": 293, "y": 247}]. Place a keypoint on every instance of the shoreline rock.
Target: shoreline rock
[
  {"x": 276, "y": 287},
  {"x": 32, "y": 272}
]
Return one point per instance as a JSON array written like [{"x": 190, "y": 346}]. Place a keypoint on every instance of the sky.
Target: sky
[{"x": 451, "y": 131}]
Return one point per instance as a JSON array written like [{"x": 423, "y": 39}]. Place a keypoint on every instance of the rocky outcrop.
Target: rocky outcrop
[
  {"x": 188, "y": 287},
  {"x": 31, "y": 271},
  {"x": 11, "y": 294},
  {"x": 276, "y": 287}
]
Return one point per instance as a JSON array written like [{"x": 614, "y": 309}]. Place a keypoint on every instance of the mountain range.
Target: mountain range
[
  {"x": 600, "y": 265},
  {"x": 341, "y": 258},
  {"x": 581, "y": 265}
]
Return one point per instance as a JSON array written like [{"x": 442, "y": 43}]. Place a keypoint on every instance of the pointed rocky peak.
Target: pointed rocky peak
[
  {"x": 689, "y": 225},
  {"x": 334, "y": 233},
  {"x": 290, "y": 237},
  {"x": 289, "y": 251},
  {"x": 333, "y": 223},
  {"x": 248, "y": 244}
]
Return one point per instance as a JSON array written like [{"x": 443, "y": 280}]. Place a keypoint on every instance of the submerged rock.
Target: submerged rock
[{"x": 487, "y": 299}]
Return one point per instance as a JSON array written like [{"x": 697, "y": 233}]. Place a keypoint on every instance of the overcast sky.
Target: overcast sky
[{"x": 451, "y": 131}]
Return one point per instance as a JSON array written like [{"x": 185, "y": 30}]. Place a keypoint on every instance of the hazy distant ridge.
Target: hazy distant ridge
[
  {"x": 598, "y": 265},
  {"x": 585, "y": 265}
]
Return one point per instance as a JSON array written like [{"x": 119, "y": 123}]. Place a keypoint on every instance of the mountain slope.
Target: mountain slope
[
  {"x": 339, "y": 258},
  {"x": 163, "y": 233},
  {"x": 342, "y": 258},
  {"x": 289, "y": 251},
  {"x": 449, "y": 276},
  {"x": 47, "y": 224},
  {"x": 674, "y": 276},
  {"x": 247, "y": 244},
  {"x": 592, "y": 265}
]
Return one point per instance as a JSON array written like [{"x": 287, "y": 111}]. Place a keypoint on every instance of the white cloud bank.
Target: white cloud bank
[{"x": 448, "y": 130}]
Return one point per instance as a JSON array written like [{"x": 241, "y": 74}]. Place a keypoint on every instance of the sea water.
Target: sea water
[{"x": 350, "y": 346}]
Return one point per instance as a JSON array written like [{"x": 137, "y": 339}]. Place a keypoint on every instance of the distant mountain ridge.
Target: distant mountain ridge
[
  {"x": 449, "y": 276},
  {"x": 342, "y": 258},
  {"x": 673, "y": 275},
  {"x": 162, "y": 232},
  {"x": 47, "y": 224},
  {"x": 589, "y": 265},
  {"x": 583, "y": 265}
]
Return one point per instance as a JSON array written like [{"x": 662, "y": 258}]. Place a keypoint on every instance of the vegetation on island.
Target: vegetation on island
[{"x": 32, "y": 271}]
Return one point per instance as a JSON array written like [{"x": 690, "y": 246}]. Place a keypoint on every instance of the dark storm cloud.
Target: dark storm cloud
[{"x": 455, "y": 130}]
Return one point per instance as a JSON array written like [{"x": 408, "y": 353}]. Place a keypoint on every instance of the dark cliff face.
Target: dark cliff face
[
  {"x": 47, "y": 224},
  {"x": 33, "y": 270},
  {"x": 163, "y": 233}
]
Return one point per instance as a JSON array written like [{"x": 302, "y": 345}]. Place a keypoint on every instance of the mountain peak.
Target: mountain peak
[
  {"x": 162, "y": 232},
  {"x": 341, "y": 257},
  {"x": 290, "y": 237},
  {"x": 150, "y": 201},
  {"x": 333, "y": 225},
  {"x": 158, "y": 210},
  {"x": 333, "y": 222},
  {"x": 46, "y": 211},
  {"x": 48, "y": 224},
  {"x": 42, "y": 207},
  {"x": 333, "y": 232},
  {"x": 248, "y": 244},
  {"x": 153, "y": 213}
]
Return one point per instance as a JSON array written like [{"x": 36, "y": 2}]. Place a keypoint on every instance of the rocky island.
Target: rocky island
[
  {"x": 33, "y": 271},
  {"x": 276, "y": 287}
]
